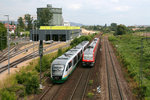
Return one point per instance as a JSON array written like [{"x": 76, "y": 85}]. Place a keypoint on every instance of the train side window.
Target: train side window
[
  {"x": 67, "y": 68},
  {"x": 79, "y": 55},
  {"x": 74, "y": 61},
  {"x": 70, "y": 64}
]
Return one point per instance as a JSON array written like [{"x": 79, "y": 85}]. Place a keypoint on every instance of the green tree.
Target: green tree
[
  {"x": 113, "y": 26},
  {"x": 28, "y": 20},
  {"x": 148, "y": 29},
  {"x": 121, "y": 29},
  {"x": 21, "y": 23},
  {"x": 3, "y": 37},
  {"x": 35, "y": 23},
  {"x": 44, "y": 17}
]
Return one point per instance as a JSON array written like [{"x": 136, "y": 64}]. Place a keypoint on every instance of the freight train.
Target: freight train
[
  {"x": 89, "y": 55},
  {"x": 64, "y": 65}
]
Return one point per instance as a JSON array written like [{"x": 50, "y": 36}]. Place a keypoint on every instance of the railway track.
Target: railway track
[
  {"x": 73, "y": 89},
  {"x": 77, "y": 93},
  {"x": 21, "y": 51},
  {"x": 27, "y": 57},
  {"x": 114, "y": 89},
  {"x": 12, "y": 54}
]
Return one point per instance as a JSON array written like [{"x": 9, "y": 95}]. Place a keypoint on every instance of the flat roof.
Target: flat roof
[{"x": 58, "y": 27}]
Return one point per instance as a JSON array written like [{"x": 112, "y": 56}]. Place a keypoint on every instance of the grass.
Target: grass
[
  {"x": 90, "y": 82},
  {"x": 128, "y": 49},
  {"x": 90, "y": 95}
]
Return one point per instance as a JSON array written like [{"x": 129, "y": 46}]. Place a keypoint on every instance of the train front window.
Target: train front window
[
  {"x": 88, "y": 57},
  {"x": 57, "y": 70}
]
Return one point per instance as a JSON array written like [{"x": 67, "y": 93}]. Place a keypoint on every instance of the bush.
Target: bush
[
  {"x": 59, "y": 52},
  {"x": 29, "y": 80},
  {"x": 76, "y": 41},
  {"x": 6, "y": 95},
  {"x": 32, "y": 85},
  {"x": 45, "y": 64},
  {"x": 21, "y": 78},
  {"x": 129, "y": 51}
]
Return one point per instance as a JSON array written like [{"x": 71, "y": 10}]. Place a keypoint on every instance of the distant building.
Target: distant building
[
  {"x": 66, "y": 23},
  {"x": 57, "y": 19},
  {"x": 11, "y": 27}
]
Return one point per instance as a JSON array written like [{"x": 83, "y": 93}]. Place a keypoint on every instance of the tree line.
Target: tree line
[
  {"x": 27, "y": 23},
  {"x": 117, "y": 29}
]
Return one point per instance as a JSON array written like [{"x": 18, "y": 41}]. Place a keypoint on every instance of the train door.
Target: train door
[{"x": 70, "y": 67}]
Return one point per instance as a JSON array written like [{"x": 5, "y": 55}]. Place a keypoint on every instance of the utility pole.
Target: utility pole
[
  {"x": 33, "y": 36},
  {"x": 8, "y": 43},
  {"x": 41, "y": 55}
]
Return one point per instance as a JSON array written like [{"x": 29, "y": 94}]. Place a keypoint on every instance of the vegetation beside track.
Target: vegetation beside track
[
  {"x": 26, "y": 81},
  {"x": 128, "y": 49}
]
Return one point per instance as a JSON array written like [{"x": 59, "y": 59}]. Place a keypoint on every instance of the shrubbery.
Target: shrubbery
[
  {"x": 76, "y": 41},
  {"x": 6, "y": 95},
  {"x": 29, "y": 80},
  {"x": 45, "y": 64},
  {"x": 129, "y": 50}
]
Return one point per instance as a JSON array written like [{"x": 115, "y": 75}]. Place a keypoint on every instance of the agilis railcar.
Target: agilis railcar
[
  {"x": 89, "y": 55},
  {"x": 64, "y": 65}
]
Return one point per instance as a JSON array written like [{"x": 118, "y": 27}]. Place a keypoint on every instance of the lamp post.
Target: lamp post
[
  {"x": 8, "y": 43},
  {"x": 33, "y": 36}
]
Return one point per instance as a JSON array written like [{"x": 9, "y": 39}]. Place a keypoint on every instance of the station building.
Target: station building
[
  {"x": 55, "y": 33},
  {"x": 56, "y": 30}
]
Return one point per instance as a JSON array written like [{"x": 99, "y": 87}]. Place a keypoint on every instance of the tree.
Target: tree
[
  {"x": 121, "y": 29},
  {"x": 3, "y": 37},
  {"x": 44, "y": 17},
  {"x": 148, "y": 29},
  {"x": 21, "y": 23},
  {"x": 113, "y": 26},
  {"x": 35, "y": 23},
  {"x": 28, "y": 20}
]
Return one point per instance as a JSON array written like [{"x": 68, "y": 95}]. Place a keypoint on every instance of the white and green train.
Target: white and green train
[{"x": 64, "y": 65}]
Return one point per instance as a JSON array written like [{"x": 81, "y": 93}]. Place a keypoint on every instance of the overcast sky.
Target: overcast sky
[{"x": 89, "y": 12}]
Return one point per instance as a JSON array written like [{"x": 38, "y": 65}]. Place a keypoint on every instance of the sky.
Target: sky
[{"x": 87, "y": 12}]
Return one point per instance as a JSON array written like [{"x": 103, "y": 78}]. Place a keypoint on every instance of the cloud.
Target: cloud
[
  {"x": 74, "y": 6},
  {"x": 121, "y": 8},
  {"x": 115, "y": 1}
]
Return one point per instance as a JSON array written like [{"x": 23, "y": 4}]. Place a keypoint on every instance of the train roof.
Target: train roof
[
  {"x": 69, "y": 54},
  {"x": 91, "y": 47}
]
